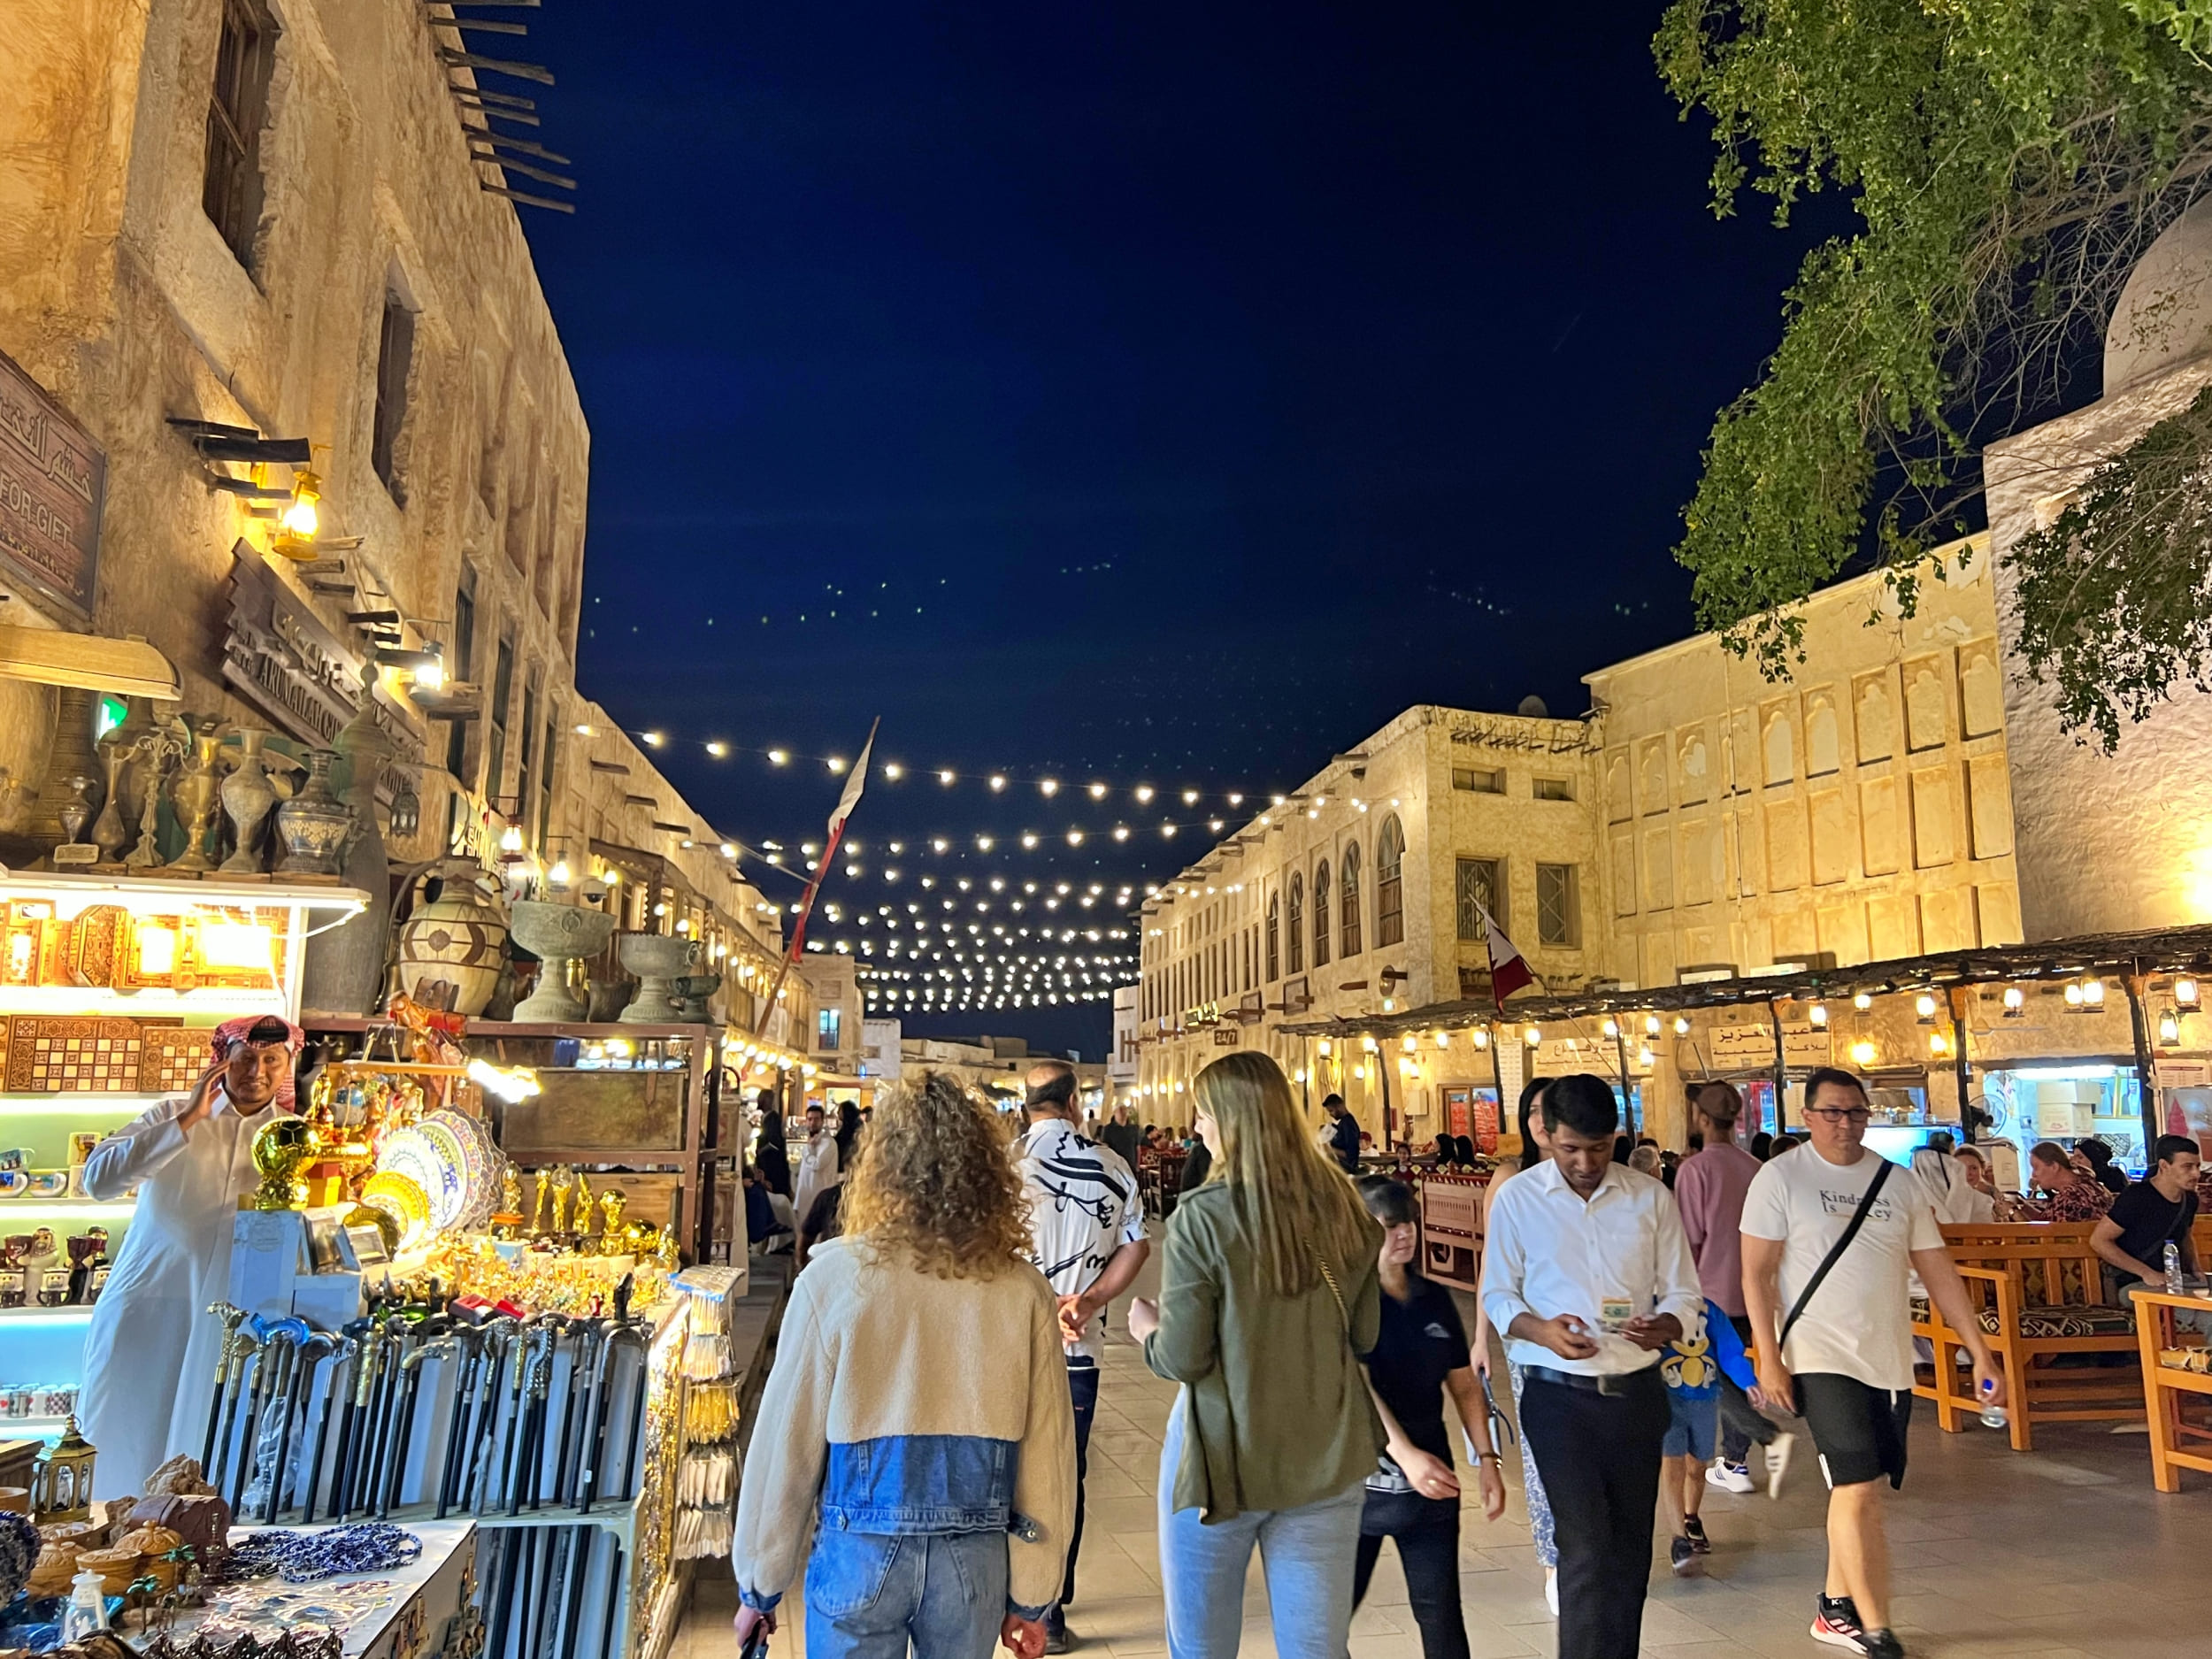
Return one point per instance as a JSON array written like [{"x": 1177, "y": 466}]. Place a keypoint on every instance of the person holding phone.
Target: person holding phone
[
  {"x": 1420, "y": 1356},
  {"x": 915, "y": 1441},
  {"x": 191, "y": 1160},
  {"x": 1589, "y": 1274}
]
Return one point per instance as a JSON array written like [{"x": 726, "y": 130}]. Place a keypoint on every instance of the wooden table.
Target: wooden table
[{"x": 2164, "y": 1386}]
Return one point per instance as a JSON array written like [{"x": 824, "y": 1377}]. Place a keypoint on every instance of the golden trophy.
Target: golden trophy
[
  {"x": 538, "y": 1207},
  {"x": 280, "y": 1148},
  {"x": 581, "y": 1208},
  {"x": 507, "y": 1219},
  {"x": 610, "y": 1203},
  {"x": 560, "y": 1202}
]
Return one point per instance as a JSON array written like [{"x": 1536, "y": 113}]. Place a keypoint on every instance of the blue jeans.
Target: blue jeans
[
  {"x": 1308, "y": 1553},
  {"x": 869, "y": 1593}
]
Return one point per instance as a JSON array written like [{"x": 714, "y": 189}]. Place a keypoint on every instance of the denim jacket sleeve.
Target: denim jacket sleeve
[
  {"x": 783, "y": 1467},
  {"x": 1044, "y": 1472}
]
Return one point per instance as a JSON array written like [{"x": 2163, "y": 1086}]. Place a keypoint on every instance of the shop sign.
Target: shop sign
[
  {"x": 283, "y": 659},
  {"x": 52, "y": 479},
  {"x": 1751, "y": 1047}
]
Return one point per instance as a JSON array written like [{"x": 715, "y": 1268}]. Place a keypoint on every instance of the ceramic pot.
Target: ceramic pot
[
  {"x": 193, "y": 794},
  {"x": 248, "y": 797},
  {"x": 691, "y": 992},
  {"x": 460, "y": 938},
  {"x": 313, "y": 825},
  {"x": 656, "y": 959},
  {"x": 557, "y": 935}
]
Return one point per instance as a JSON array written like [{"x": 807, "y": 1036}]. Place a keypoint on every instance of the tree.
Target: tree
[{"x": 2007, "y": 162}]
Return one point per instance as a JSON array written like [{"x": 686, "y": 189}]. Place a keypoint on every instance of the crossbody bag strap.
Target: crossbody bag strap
[
  {"x": 1836, "y": 1250},
  {"x": 1335, "y": 1293}
]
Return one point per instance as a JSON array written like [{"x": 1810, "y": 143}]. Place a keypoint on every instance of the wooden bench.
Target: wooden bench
[{"x": 2038, "y": 1289}]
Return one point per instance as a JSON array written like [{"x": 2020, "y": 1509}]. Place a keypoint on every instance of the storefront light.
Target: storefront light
[
  {"x": 1443, "y": 1039},
  {"x": 1818, "y": 1014},
  {"x": 2093, "y": 993},
  {"x": 1681, "y": 1025},
  {"x": 1862, "y": 1053},
  {"x": 2185, "y": 993},
  {"x": 1938, "y": 1044},
  {"x": 1532, "y": 1036},
  {"x": 1924, "y": 1006},
  {"x": 1611, "y": 1028},
  {"x": 1482, "y": 1037},
  {"x": 1651, "y": 1025},
  {"x": 2073, "y": 993},
  {"x": 1863, "y": 1001},
  {"x": 2169, "y": 1026},
  {"x": 301, "y": 519}
]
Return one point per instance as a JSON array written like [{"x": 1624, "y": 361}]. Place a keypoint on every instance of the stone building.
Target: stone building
[{"x": 275, "y": 222}]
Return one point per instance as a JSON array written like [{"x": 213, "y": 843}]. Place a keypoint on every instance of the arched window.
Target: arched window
[
  {"x": 1321, "y": 915},
  {"x": 1297, "y": 923},
  {"x": 1347, "y": 902},
  {"x": 1390, "y": 857},
  {"x": 1274, "y": 937}
]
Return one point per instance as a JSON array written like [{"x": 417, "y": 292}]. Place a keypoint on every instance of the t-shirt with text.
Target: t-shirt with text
[{"x": 1859, "y": 1323}]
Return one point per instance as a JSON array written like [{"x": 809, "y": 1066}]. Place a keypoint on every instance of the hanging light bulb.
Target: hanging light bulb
[
  {"x": 559, "y": 874},
  {"x": 1443, "y": 1039},
  {"x": 1862, "y": 1053},
  {"x": 1532, "y": 1036},
  {"x": 1863, "y": 1001},
  {"x": 1323, "y": 1048},
  {"x": 1611, "y": 1028},
  {"x": 2185, "y": 992},
  {"x": 1643, "y": 1056},
  {"x": 2169, "y": 1026},
  {"x": 2073, "y": 993},
  {"x": 1681, "y": 1025},
  {"x": 2015, "y": 1003},
  {"x": 1938, "y": 1044},
  {"x": 1411, "y": 1043},
  {"x": 1651, "y": 1025},
  {"x": 1818, "y": 1014},
  {"x": 1482, "y": 1037},
  {"x": 1924, "y": 1006},
  {"x": 2093, "y": 993}
]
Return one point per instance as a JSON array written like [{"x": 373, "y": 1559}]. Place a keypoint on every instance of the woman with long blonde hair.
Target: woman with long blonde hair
[
  {"x": 1267, "y": 1299},
  {"x": 917, "y": 1430}
]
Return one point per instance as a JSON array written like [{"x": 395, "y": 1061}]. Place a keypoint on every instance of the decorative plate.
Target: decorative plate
[
  {"x": 414, "y": 1154},
  {"x": 471, "y": 1150}
]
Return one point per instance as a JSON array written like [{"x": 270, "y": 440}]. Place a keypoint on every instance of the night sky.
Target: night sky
[{"x": 1133, "y": 393}]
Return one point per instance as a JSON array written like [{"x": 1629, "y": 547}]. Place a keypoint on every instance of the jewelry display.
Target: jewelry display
[{"x": 302, "y": 1557}]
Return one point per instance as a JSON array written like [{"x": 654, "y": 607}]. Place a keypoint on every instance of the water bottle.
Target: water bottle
[
  {"x": 1993, "y": 1413},
  {"x": 2173, "y": 1269}
]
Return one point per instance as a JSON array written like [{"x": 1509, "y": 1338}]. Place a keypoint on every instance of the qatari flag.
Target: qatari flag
[{"x": 1508, "y": 972}]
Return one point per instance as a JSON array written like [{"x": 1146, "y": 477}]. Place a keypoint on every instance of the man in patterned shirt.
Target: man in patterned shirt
[
  {"x": 2067, "y": 1195},
  {"x": 1086, "y": 1236}
]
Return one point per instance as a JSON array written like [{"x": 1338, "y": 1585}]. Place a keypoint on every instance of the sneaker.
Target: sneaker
[
  {"x": 1056, "y": 1638},
  {"x": 1730, "y": 1476},
  {"x": 1694, "y": 1530},
  {"x": 1778, "y": 1450},
  {"x": 1682, "y": 1554},
  {"x": 1882, "y": 1644},
  {"x": 1551, "y": 1590},
  {"x": 1837, "y": 1624}
]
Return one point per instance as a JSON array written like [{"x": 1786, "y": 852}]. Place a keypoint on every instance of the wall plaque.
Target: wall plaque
[
  {"x": 52, "y": 477},
  {"x": 280, "y": 658}
]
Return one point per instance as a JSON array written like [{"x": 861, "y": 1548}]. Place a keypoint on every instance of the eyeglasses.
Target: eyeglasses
[{"x": 1840, "y": 1113}]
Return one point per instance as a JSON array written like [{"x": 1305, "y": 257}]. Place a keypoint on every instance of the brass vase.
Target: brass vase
[
  {"x": 248, "y": 797},
  {"x": 193, "y": 794}
]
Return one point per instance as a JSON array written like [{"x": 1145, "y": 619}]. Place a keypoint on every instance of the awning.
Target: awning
[{"x": 52, "y": 657}]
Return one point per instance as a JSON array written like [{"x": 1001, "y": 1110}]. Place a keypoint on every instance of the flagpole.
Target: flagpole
[{"x": 846, "y": 802}]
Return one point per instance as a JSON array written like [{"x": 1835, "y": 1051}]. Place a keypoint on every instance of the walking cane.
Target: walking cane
[
  {"x": 337, "y": 1399},
  {"x": 306, "y": 1361},
  {"x": 225, "y": 1355}
]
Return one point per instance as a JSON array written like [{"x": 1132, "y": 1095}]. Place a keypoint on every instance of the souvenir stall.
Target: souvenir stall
[{"x": 110, "y": 985}]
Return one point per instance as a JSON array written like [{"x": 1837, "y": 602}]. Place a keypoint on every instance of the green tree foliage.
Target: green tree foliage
[{"x": 2008, "y": 162}]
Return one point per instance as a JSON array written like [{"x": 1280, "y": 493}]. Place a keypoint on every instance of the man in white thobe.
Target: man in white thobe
[
  {"x": 817, "y": 1170},
  {"x": 149, "y": 1355}
]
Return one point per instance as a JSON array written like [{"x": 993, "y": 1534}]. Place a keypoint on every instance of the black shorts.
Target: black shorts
[{"x": 1859, "y": 1431}]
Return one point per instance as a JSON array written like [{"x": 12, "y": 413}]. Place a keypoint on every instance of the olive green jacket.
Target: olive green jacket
[{"x": 1278, "y": 1411}]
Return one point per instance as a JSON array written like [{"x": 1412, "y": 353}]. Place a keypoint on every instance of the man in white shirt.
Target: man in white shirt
[
  {"x": 1086, "y": 1236},
  {"x": 1833, "y": 1333},
  {"x": 817, "y": 1170},
  {"x": 1586, "y": 1273}
]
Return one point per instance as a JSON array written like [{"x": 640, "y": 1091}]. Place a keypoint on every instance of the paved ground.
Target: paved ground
[{"x": 2064, "y": 1553}]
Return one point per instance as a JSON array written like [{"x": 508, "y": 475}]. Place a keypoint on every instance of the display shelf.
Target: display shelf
[
  {"x": 75, "y": 1208},
  {"x": 49, "y": 1315},
  {"x": 619, "y": 1518}
]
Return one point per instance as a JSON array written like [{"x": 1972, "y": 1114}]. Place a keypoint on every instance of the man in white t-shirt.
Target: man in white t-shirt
[
  {"x": 1844, "y": 1357},
  {"x": 1086, "y": 1236}
]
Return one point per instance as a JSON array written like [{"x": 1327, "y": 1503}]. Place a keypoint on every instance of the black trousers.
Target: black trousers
[
  {"x": 1083, "y": 1383},
  {"x": 1427, "y": 1531},
  {"x": 1742, "y": 1425},
  {"x": 1599, "y": 1455}
]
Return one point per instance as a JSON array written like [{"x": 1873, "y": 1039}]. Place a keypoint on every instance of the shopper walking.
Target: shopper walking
[
  {"x": 1413, "y": 1497},
  {"x": 1122, "y": 1134},
  {"x": 1710, "y": 1189},
  {"x": 916, "y": 1431},
  {"x": 1535, "y": 1149},
  {"x": 1086, "y": 1237},
  {"x": 819, "y": 1166},
  {"x": 1830, "y": 1234},
  {"x": 1268, "y": 1296},
  {"x": 1588, "y": 1274},
  {"x": 770, "y": 1154},
  {"x": 1343, "y": 1132}
]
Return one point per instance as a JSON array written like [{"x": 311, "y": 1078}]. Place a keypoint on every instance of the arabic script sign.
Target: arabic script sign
[{"x": 51, "y": 479}]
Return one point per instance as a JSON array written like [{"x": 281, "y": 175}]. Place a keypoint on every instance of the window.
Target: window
[
  {"x": 829, "y": 1028},
  {"x": 230, "y": 187},
  {"x": 495, "y": 739},
  {"x": 1321, "y": 917},
  {"x": 463, "y": 669},
  {"x": 1390, "y": 857},
  {"x": 545, "y": 780},
  {"x": 1478, "y": 780},
  {"x": 1275, "y": 937},
  {"x": 1480, "y": 884},
  {"x": 395, "y": 356},
  {"x": 1347, "y": 904},
  {"x": 522, "y": 773},
  {"x": 1297, "y": 923},
  {"x": 1558, "y": 911},
  {"x": 1552, "y": 788}
]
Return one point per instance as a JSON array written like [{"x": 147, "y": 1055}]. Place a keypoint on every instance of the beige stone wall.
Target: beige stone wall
[
  {"x": 1861, "y": 810},
  {"x": 119, "y": 297}
]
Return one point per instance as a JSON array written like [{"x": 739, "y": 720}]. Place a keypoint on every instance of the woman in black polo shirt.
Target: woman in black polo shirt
[{"x": 1413, "y": 1495}]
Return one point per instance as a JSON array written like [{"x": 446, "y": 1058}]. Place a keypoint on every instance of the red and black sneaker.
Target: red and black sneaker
[{"x": 1837, "y": 1624}]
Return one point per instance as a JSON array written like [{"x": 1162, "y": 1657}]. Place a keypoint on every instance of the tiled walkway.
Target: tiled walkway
[{"x": 2064, "y": 1553}]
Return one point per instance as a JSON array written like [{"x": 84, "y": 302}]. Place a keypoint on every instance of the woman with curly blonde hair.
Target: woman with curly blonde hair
[
  {"x": 1267, "y": 1299},
  {"x": 917, "y": 1427}
]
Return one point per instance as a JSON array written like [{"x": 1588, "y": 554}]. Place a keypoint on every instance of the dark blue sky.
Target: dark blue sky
[{"x": 1173, "y": 391}]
